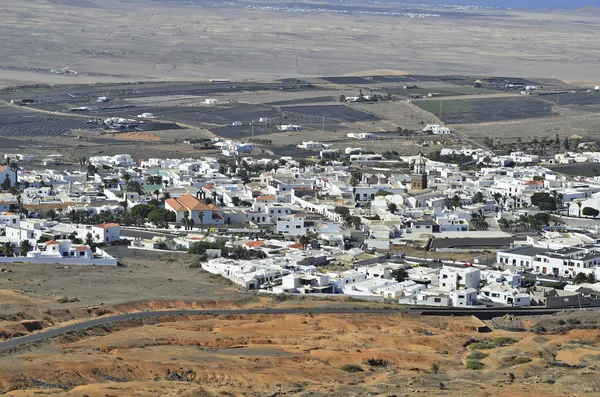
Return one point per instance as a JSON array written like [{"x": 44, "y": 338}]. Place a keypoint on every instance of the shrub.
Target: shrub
[
  {"x": 522, "y": 360},
  {"x": 377, "y": 362},
  {"x": 482, "y": 346},
  {"x": 474, "y": 364},
  {"x": 504, "y": 341},
  {"x": 550, "y": 381},
  {"x": 64, "y": 299},
  {"x": 435, "y": 368},
  {"x": 477, "y": 355},
  {"x": 511, "y": 377},
  {"x": 351, "y": 368}
]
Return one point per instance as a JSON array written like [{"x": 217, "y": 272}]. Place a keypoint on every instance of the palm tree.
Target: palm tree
[
  {"x": 392, "y": 207},
  {"x": 201, "y": 217},
  {"x": 214, "y": 196},
  {"x": 304, "y": 240},
  {"x": 156, "y": 193},
  {"x": 455, "y": 201},
  {"x": 579, "y": 203},
  {"x": 8, "y": 249},
  {"x": 25, "y": 247},
  {"x": 165, "y": 196},
  {"x": 186, "y": 220}
]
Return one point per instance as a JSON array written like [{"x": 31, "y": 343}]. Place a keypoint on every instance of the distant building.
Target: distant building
[
  {"x": 419, "y": 176},
  {"x": 8, "y": 177}
]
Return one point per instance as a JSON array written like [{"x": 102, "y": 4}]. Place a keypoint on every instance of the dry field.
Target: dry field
[
  {"x": 302, "y": 355},
  {"x": 135, "y": 40}
]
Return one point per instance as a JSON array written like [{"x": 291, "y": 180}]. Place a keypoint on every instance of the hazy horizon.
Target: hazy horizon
[{"x": 522, "y": 4}]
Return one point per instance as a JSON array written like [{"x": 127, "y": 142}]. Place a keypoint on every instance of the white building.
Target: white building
[
  {"x": 453, "y": 278},
  {"x": 506, "y": 294}
]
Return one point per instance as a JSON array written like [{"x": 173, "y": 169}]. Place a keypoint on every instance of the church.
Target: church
[{"x": 419, "y": 176}]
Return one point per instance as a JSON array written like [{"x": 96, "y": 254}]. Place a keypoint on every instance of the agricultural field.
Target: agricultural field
[{"x": 467, "y": 111}]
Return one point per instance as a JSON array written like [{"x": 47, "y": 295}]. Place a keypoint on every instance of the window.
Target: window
[
  {"x": 82, "y": 253},
  {"x": 287, "y": 226},
  {"x": 461, "y": 297},
  {"x": 445, "y": 276},
  {"x": 298, "y": 226},
  {"x": 437, "y": 300}
]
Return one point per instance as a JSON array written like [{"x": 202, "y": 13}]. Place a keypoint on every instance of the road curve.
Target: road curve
[
  {"x": 51, "y": 333},
  {"x": 106, "y": 320}
]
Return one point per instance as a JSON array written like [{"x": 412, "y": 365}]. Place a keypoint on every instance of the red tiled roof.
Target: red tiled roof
[
  {"x": 52, "y": 242},
  {"x": 81, "y": 248},
  {"x": 2, "y": 168},
  {"x": 296, "y": 246},
  {"x": 532, "y": 183},
  {"x": 189, "y": 203},
  {"x": 107, "y": 225},
  {"x": 208, "y": 186},
  {"x": 266, "y": 198},
  {"x": 255, "y": 244}
]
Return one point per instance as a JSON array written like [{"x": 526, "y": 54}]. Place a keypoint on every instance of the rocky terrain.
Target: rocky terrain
[{"x": 308, "y": 354}]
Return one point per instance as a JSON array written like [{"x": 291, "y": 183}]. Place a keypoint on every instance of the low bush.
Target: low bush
[
  {"x": 64, "y": 299},
  {"x": 377, "y": 362},
  {"x": 474, "y": 364},
  {"x": 482, "y": 346},
  {"x": 504, "y": 341},
  {"x": 477, "y": 355},
  {"x": 351, "y": 368},
  {"x": 522, "y": 360}
]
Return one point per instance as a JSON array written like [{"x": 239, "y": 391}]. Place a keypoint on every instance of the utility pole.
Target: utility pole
[
  {"x": 252, "y": 124},
  {"x": 323, "y": 126},
  {"x": 440, "y": 116}
]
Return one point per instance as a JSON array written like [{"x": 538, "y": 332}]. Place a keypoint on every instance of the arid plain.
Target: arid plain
[
  {"x": 109, "y": 40},
  {"x": 290, "y": 354}
]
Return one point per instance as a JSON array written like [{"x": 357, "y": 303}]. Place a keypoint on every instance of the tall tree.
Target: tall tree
[
  {"x": 7, "y": 249},
  {"x": 392, "y": 207},
  {"x": 25, "y": 247}
]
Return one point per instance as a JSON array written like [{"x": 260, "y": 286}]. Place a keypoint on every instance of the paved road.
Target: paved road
[
  {"x": 486, "y": 314},
  {"x": 51, "y": 333}
]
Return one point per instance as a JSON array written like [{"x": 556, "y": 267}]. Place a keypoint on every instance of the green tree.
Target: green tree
[
  {"x": 201, "y": 219},
  {"x": 51, "y": 214},
  {"x": 455, "y": 201},
  {"x": 89, "y": 240},
  {"x": 141, "y": 210},
  {"x": 161, "y": 217},
  {"x": 580, "y": 278},
  {"x": 392, "y": 207},
  {"x": 91, "y": 169},
  {"x": 566, "y": 143},
  {"x": 25, "y": 247},
  {"x": 134, "y": 187},
  {"x": 355, "y": 178},
  {"x": 342, "y": 98},
  {"x": 478, "y": 198},
  {"x": 399, "y": 275},
  {"x": 589, "y": 211},
  {"x": 7, "y": 249},
  {"x": 304, "y": 240}
]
